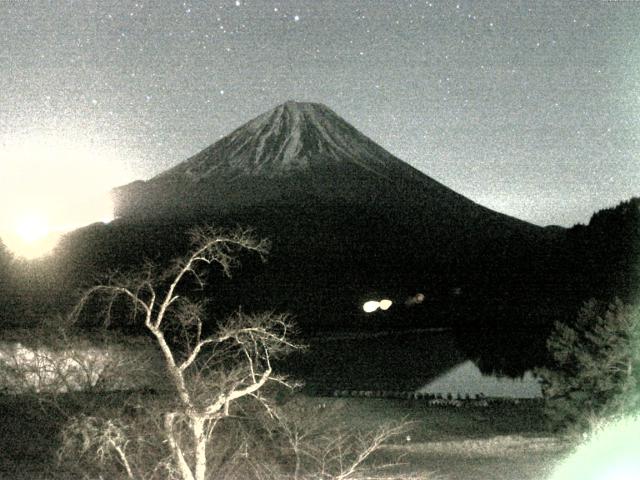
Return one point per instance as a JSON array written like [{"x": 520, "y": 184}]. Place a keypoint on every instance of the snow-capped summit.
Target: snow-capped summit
[
  {"x": 293, "y": 152},
  {"x": 293, "y": 137},
  {"x": 298, "y": 153}
]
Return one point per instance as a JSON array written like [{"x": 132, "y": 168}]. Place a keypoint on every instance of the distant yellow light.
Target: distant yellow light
[
  {"x": 371, "y": 306},
  {"x": 385, "y": 304}
]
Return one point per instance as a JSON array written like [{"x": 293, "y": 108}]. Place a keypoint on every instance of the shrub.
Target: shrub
[{"x": 596, "y": 366}]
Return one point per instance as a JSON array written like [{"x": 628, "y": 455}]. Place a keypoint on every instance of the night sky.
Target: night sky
[{"x": 530, "y": 108}]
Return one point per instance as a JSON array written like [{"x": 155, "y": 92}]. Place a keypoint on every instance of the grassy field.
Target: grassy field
[
  {"x": 497, "y": 442},
  {"x": 501, "y": 442}
]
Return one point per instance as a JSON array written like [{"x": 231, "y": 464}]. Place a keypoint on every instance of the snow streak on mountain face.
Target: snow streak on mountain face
[
  {"x": 299, "y": 154},
  {"x": 293, "y": 137}
]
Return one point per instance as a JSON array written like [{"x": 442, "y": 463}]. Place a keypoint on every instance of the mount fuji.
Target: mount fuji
[
  {"x": 300, "y": 152},
  {"x": 347, "y": 220}
]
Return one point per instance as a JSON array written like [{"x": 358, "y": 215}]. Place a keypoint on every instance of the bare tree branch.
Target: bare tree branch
[{"x": 254, "y": 337}]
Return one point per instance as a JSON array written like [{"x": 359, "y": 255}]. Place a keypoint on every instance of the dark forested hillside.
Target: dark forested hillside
[{"x": 603, "y": 257}]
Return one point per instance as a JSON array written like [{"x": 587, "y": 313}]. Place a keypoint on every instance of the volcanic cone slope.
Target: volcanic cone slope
[{"x": 345, "y": 216}]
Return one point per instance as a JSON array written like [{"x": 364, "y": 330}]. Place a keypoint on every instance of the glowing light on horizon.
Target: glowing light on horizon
[
  {"x": 612, "y": 452},
  {"x": 385, "y": 304},
  {"x": 32, "y": 228},
  {"x": 370, "y": 306},
  {"x": 373, "y": 305},
  {"x": 50, "y": 185}
]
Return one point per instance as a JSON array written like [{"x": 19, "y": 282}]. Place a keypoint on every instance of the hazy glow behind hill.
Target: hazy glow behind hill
[{"x": 51, "y": 185}]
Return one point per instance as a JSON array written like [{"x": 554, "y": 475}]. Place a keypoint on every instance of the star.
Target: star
[{"x": 185, "y": 50}]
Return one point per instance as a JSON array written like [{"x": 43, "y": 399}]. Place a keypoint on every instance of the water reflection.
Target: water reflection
[
  {"x": 443, "y": 361},
  {"x": 466, "y": 379}
]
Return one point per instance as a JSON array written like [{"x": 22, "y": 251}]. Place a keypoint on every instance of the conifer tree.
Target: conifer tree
[{"x": 596, "y": 366}]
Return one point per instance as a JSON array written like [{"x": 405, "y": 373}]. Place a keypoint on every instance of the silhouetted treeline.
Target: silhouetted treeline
[
  {"x": 5, "y": 280},
  {"x": 327, "y": 260},
  {"x": 603, "y": 258}
]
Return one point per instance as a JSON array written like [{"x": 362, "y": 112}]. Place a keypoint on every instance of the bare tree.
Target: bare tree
[
  {"x": 324, "y": 447},
  {"x": 209, "y": 369},
  {"x": 212, "y": 370}
]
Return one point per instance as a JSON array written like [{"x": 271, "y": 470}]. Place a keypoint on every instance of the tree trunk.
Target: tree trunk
[
  {"x": 200, "y": 444},
  {"x": 176, "y": 450}
]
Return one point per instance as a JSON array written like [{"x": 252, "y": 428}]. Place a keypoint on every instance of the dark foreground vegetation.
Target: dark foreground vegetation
[
  {"x": 500, "y": 442},
  {"x": 224, "y": 409},
  {"x": 215, "y": 413},
  {"x": 47, "y": 436}
]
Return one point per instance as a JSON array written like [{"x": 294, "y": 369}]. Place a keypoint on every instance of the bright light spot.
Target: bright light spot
[
  {"x": 370, "y": 306},
  {"x": 296, "y": 18},
  {"x": 51, "y": 185},
  {"x": 32, "y": 228},
  {"x": 414, "y": 300},
  {"x": 373, "y": 305},
  {"x": 611, "y": 453},
  {"x": 385, "y": 304}
]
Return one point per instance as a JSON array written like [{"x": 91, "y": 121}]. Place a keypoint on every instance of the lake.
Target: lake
[
  {"x": 467, "y": 379},
  {"x": 437, "y": 361}
]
